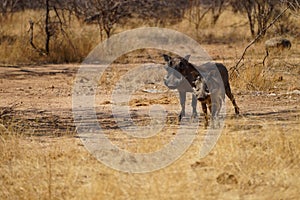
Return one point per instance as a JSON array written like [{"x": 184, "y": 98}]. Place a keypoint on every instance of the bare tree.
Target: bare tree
[
  {"x": 217, "y": 9},
  {"x": 161, "y": 12},
  {"x": 110, "y": 13},
  {"x": 54, "y": 22},
  {"x": 198, "y": 9},
  {"x": 11, "y": 6},
  {"x": 45, "y": 50},
  {"x": 259, "y": 13},
  {"x": 196, "y": 13},
  {"x": 8, "y": 7},
  {"x": 106, "y": 13}
]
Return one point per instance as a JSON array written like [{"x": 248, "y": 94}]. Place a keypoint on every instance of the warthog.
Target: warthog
[
  {"x": 185, "y": 77},
  {"x": 276, "y": 43}
]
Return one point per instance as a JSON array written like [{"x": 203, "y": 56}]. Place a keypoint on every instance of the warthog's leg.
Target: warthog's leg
[
  {"x": 231, "y": 97},
  {"x": 194, "y": 105},
  {"x": 214, "y": 110},
  {"x": 204, "y": 109},
  {"x": 182, "y": 97}
]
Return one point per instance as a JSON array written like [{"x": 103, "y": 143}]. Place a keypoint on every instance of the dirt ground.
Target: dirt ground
[{"x": 256, "y": 157}]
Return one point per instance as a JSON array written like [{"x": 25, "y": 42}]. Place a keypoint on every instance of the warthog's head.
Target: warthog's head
[
  {"x": 286, "y": 43},
  {"x": 201, "y": 90},
  {"x": 178, "y": 71}
]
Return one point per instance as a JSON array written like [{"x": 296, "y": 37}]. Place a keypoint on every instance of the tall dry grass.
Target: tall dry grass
[
  {"x": 256, "y": 157},
  {"x": 70, "y": 45},
  {"x": 253, "y": 159}
]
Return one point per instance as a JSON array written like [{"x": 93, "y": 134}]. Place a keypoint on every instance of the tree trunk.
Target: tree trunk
[
  {"x": 251, "y": 24},
  {"x": 47, "y": 27}
]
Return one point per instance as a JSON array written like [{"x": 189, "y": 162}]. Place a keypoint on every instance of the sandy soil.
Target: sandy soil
[{"x": 256, "y": 157}]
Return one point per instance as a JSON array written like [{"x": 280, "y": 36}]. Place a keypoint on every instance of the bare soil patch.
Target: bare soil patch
[{"x": 256, "y": 157}]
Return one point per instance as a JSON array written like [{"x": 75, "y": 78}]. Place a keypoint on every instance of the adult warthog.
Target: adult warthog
[{"x": 202, "y": 81}]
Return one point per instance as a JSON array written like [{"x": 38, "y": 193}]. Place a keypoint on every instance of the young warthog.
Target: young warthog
[{"x": 185, "y": 77}]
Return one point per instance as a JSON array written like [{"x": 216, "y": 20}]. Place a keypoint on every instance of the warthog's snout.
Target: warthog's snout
[
  {"x": 172, "y": 81},
  {"x": 201, "y": 89},
  {"x": 201, "y": 98}
]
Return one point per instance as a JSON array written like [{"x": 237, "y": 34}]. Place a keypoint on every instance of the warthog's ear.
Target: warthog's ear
[
  {"x": 167, "y": 58},
  {"x": 197, "y": 80},
  {"x": 187, "y": 57}
]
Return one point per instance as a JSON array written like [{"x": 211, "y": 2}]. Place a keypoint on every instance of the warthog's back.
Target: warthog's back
[
  {"x": 207, "y": 67},
  {"x": 278, "y": 42}
]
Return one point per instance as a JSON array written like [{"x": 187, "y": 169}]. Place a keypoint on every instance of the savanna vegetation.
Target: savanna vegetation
[{"x": 42, "y": 44}]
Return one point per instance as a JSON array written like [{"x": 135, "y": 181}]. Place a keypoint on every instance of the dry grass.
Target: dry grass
[
  {"x": 253, "y": 75},
  {"x": 71, "y": 45},
  {"x": 256, "y": 157},
  {"x": 251, "y": 159}
]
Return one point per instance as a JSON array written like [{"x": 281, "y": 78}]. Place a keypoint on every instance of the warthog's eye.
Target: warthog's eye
[
  {"x": 206, "y": 88},
  {"x": 181, "y": 66},
  {"x": 170, "y": 63}
]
